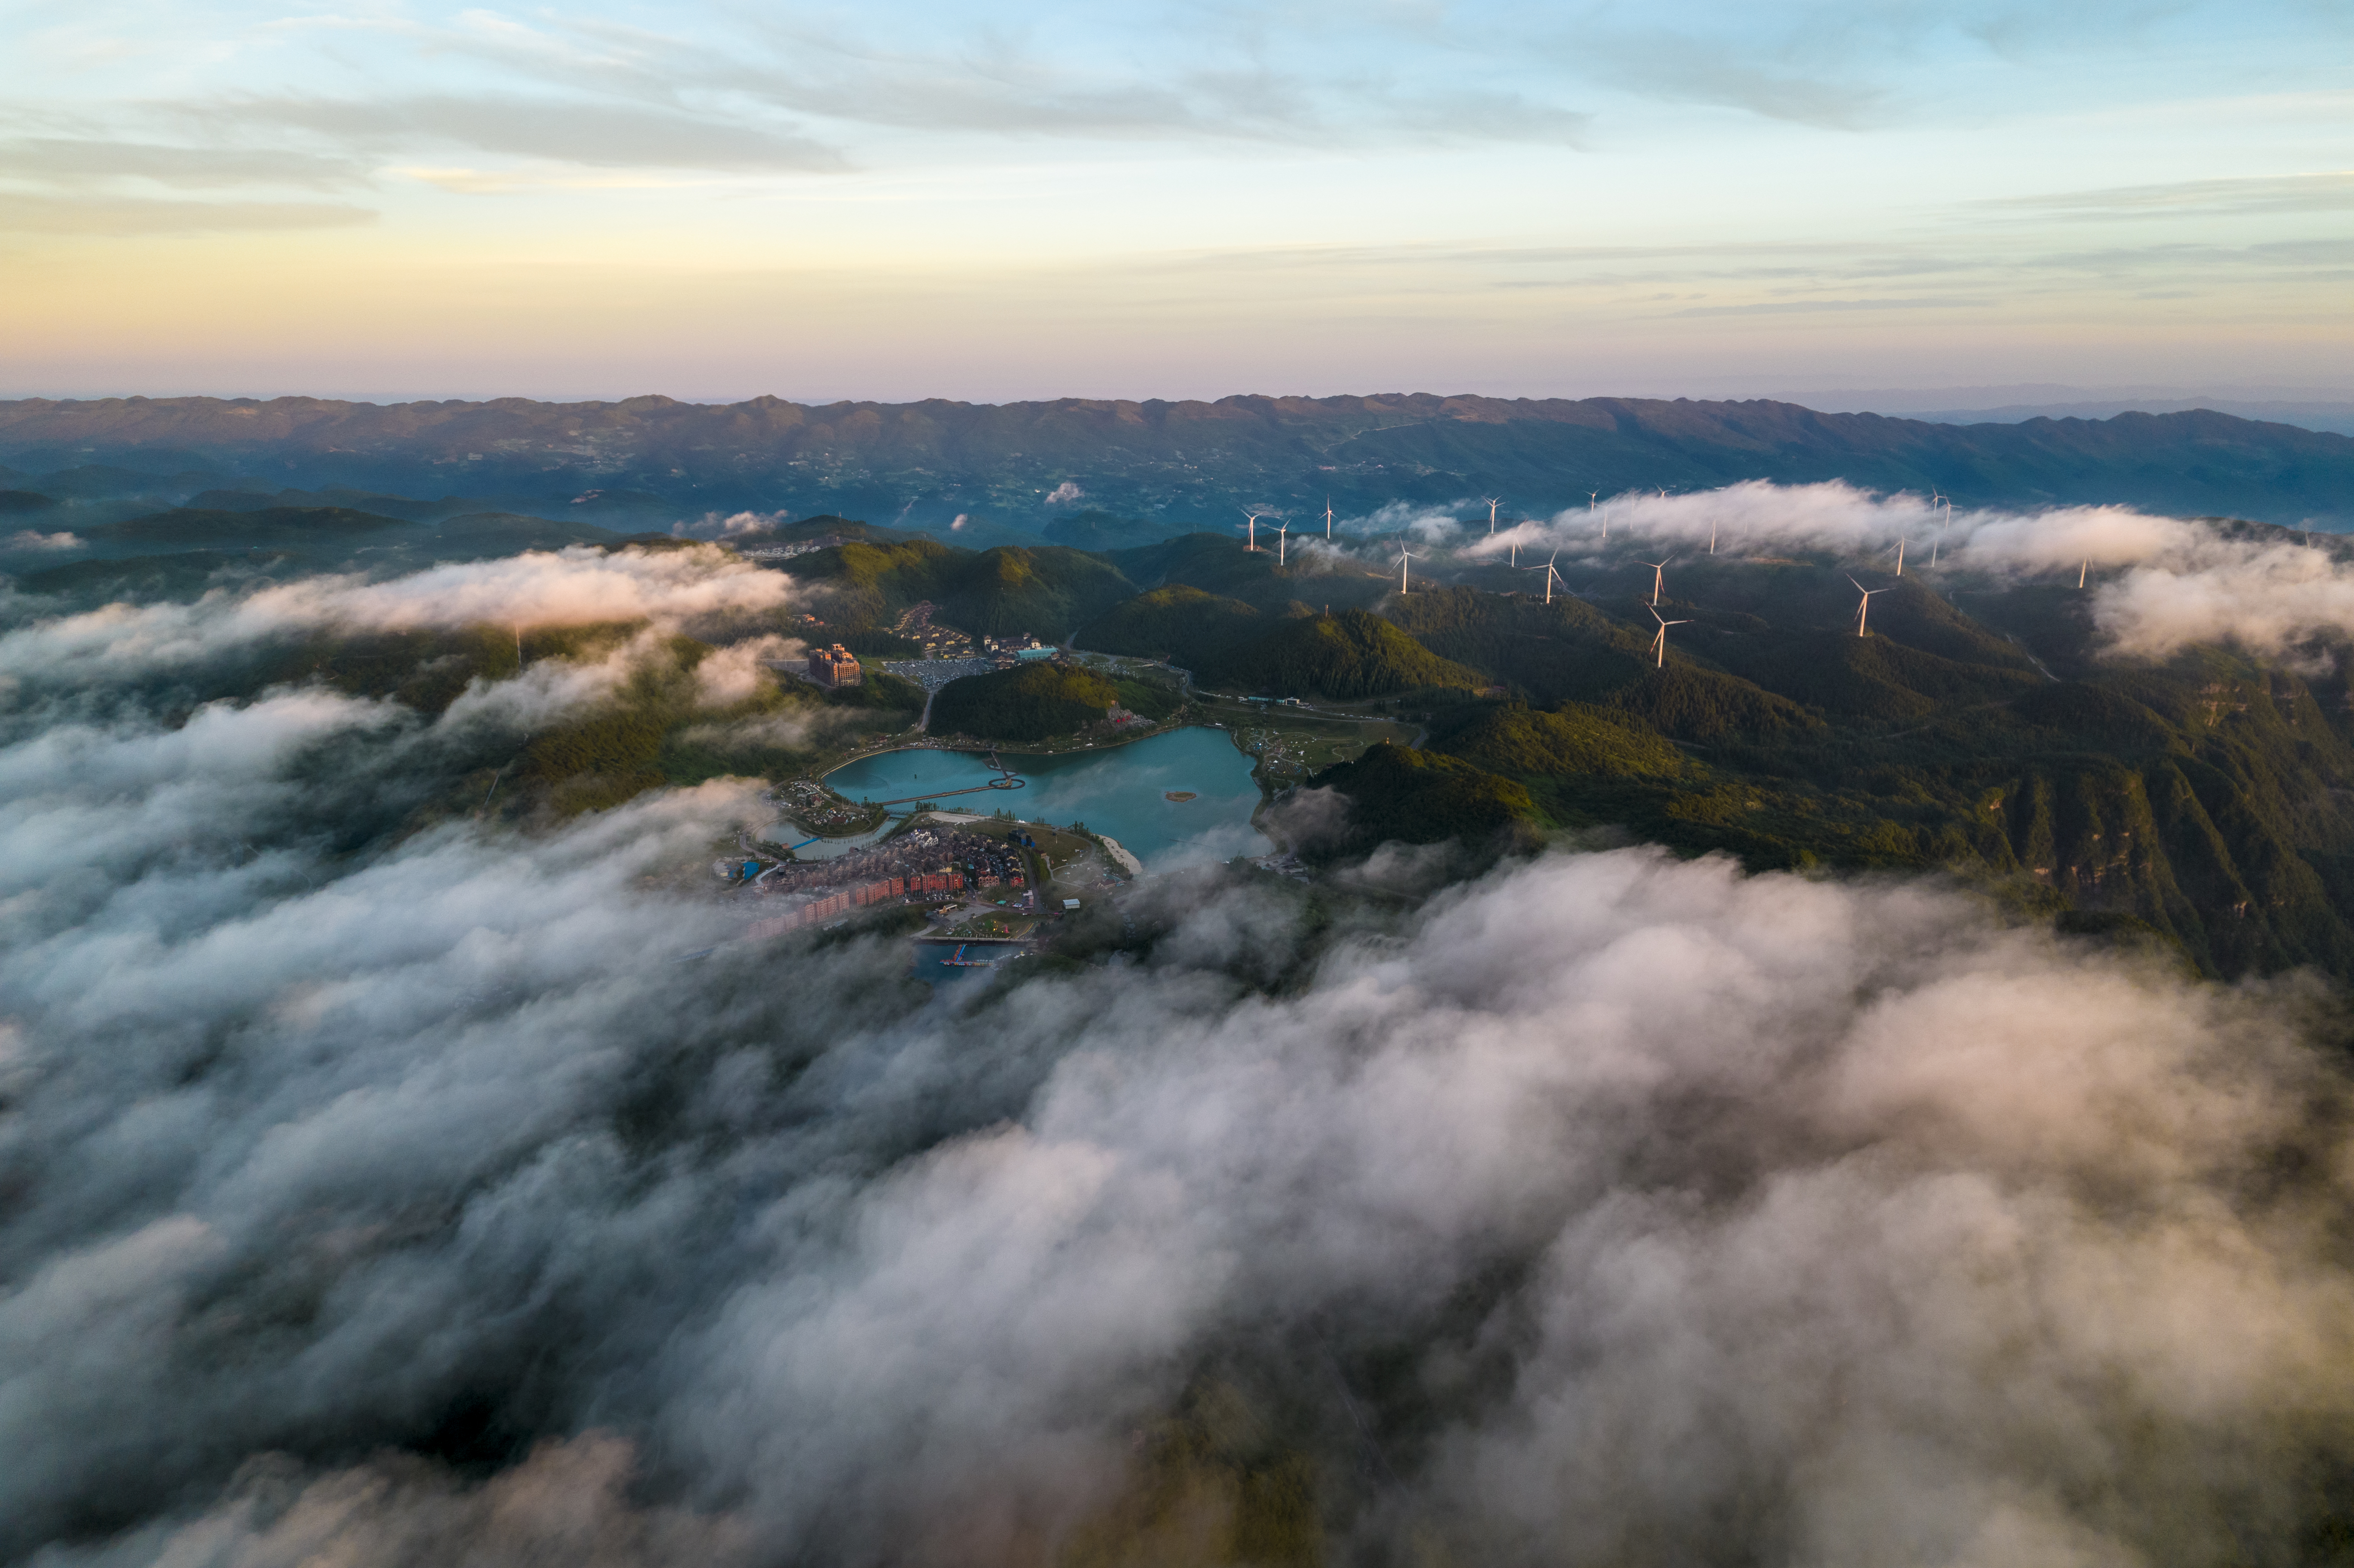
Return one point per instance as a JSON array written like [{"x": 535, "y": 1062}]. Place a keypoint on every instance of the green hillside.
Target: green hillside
[
  {"x": 2210, "y": 798},
  {"x": 1217, "y": 563},
  {"x": 1029, "y": 702},
  {"x": 862, "y": 585},
  {"x": 1572, "y": 739},
  {"x": 1573, "y": 651},
  {"x": 1046, "y": 592},
  {"x": 1345, "y": 657},
  {"x": 1420, "y": 797},
  {"x": 1184, "y": 625}
]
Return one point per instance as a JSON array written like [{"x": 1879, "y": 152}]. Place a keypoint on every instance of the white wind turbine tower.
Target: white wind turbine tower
[
  {"x": 1863, "y": 610},
  {"x": 1659, "y": 642},
  {"x": 1900, "y": 555},
  {"x": 1404, "y": 556},
  {"x": 1282, "y": 537},
  {"x": 1711, "y": 535},
  {"x": 1327, "y": 517},
  {"x": 1658, "y": 575},
  {"x": 1254, "y": 517},
  {"x": 2083, "y": 567},
  {"x": 1493, "y": 501},
  {"x": 1552, "y": 577}
]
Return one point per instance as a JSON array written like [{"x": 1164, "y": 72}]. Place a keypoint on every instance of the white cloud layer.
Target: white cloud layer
[
  {"x": 573, "y": 587},
  {"x": 1686, "y": 1208},
  {"x": 2158, "y": 584}
]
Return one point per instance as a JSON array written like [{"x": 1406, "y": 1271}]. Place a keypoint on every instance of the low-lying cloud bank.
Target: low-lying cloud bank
[
  {"x": 569, "y": 588},
  {"x": 420, "y": 1204},
  {"x": 2157, "y": 584}
]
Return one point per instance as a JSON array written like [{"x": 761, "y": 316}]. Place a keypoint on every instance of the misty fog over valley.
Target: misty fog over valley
[
  {"x": 1465, "y": 784},
  {"x": 1735, "y": 1091}
]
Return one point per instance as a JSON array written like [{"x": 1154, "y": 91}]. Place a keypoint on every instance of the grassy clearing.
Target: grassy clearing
[{"x": 1290, "y": 745}]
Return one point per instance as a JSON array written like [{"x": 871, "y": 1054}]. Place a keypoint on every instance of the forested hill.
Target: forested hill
[
  {"x": 1175, "y": 464},
  {"x": 2209, "y": 797}
]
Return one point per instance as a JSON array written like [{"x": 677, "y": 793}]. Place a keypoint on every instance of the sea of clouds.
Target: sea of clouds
[{"x": 475, "y": 1196}]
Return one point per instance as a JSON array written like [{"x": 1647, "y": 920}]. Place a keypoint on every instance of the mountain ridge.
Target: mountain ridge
[{"x": 1177, "y": 463}]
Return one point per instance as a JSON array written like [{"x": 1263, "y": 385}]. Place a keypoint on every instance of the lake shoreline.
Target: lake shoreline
[
  {"x": 986, "y": 749},
  {"x": 1120, "y": 790}
]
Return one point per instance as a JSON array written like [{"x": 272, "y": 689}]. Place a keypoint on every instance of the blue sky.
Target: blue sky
[{"x": 990, "y": 200}]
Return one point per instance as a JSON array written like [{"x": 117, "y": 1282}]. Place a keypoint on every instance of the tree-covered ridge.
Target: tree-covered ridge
[
  {"x": 1028, "y": 703},
  {"x": 1046, "y": 592},
  {"x": 1575, "y": 738},
  {"x": 1573, "y": 651},
  {"x": 2210, "y": 798},
  {"x": 1184, "y": 625},
  {"x": 1346, "y": 657},
  {"x": 1419, "y": 797},
  {"x": 1217, "y": 563}
]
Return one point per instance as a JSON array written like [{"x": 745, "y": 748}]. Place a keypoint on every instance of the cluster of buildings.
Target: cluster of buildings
[
  {"x": 924, "y": 863},
  {"x": 787, "y": 551},
  {"x": 882, "y": 890},
  {"x": 1005, "y": 650},
  {"x": 938, "y": 642}
]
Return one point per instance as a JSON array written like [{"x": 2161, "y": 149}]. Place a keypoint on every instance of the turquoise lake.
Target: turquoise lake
[{"x": 1119, "y": 792}]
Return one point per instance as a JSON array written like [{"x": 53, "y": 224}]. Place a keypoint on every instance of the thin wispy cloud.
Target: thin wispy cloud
[
  {"x": 61, "y": 160},
  {"x": 593, "y": 134},
  {"x": 126, "y": 215},
  {"x": 2329, "y": 192}
]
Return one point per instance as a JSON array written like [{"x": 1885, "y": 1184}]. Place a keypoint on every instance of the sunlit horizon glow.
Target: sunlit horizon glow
[{"x": 1182, "y": 200}]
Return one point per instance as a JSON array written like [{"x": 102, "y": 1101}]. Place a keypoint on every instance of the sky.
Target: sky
[{"x": 989, "y": 201}]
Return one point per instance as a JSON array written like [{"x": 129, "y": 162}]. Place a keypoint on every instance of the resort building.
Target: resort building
[{"x": 834, "y": 666}]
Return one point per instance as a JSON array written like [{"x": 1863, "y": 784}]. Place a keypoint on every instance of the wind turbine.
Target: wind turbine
[
  {"x": 1658, "y": 575},
  {"x": 1254, "y": 517},
  {"x": 2086, "y": 565},
  {"x": 1404, "y": 556},
  {"x": 1552, "y": 577},
  {"x": 1900, "y": 555},
  {"x": 1327, "y": 517},
  {"x": 1659, "y": 642},
  {"x": 1863, "y": 610},
  {"x": 1493, "y": 501},
  {"x": 1282, "y": 537},
  {"x": 1711, "y": 535}
]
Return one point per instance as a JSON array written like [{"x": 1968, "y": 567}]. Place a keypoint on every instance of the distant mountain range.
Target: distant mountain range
[{"x": 1020, "y": 468}]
